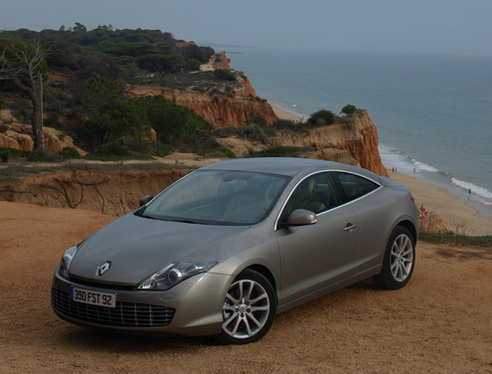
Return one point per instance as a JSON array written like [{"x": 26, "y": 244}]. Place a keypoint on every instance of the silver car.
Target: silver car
[{"x": 224, "y": 249}]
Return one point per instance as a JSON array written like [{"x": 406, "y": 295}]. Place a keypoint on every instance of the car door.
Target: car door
[
  {"x": 365, "y": 197},
  {"x": 315, "y": 257}
]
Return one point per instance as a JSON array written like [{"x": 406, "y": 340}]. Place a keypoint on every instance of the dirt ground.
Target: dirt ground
[{"x": 441, "y": 322}]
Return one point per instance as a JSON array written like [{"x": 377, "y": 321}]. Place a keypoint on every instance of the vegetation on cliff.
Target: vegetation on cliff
[
  {"x": 86, "y": 96},
  {"x": 115, "y": 93}
]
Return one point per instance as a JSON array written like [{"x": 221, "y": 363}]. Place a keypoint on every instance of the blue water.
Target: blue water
[{"x": 433, "y": 113}]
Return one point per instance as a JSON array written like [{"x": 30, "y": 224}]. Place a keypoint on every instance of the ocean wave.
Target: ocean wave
[
  {"x": 478, "y": 191},
  {"x": 424, "y": 167},
  {"x": 406, "y": 164}
]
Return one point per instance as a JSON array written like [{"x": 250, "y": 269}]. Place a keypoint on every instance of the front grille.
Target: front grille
[{"x": 124, "y": 315}]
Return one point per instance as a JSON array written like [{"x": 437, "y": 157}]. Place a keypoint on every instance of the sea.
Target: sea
[{"x": 433, "y": 113}]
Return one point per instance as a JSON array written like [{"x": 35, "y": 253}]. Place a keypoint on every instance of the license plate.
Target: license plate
[{"x": 93, "y": 297}]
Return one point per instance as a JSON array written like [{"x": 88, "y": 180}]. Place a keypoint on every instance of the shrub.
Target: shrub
[
  {"x": 4, "y": 156},
  {"x": 253, "y": 132},
  {"x": 69, "y": 152},
  {"x": 349, "y": 109},
  {"x": 282, "y": 151},
  {"x": 43, "y": 155},
  {"x": 224, "y": 74},
  {"x": 321, "y": 118},
  {"x": 193, "y": 64}
]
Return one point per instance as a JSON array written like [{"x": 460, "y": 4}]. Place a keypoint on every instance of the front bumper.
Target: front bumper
[{"x": 191, "y": 308}]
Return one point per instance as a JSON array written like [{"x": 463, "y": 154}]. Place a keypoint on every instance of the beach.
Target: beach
[{"x": 455, "y": 213}]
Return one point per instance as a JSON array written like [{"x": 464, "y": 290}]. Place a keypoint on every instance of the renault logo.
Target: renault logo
[{"x": 103, "y": 268}]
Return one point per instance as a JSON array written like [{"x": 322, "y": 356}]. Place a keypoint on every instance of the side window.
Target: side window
[
  {"x": 354, "y": 186},
  {"x": 316, "y": 193}
]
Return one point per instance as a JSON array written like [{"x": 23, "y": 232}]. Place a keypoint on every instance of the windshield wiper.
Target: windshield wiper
[{"x": 182, "y": 220}]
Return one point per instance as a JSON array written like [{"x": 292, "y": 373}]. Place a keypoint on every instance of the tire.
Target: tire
[
  {"x": 248, "y": 310},
  {"x": 399, "y": 259}
]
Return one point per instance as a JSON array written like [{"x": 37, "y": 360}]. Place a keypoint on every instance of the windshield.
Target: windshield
[{"x": 218, "y": 197}]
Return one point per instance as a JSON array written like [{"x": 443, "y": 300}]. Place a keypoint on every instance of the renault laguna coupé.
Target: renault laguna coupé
[{"x": 227, "y": 247}]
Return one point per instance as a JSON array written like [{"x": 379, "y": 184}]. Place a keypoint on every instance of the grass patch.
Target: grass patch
[{"x": 452, "y": 238}]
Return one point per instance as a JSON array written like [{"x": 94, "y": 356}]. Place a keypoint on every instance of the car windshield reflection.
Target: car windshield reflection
[{"x": 218, "y": 197}]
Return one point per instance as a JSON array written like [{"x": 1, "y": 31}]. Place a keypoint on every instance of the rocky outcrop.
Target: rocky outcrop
[
  {"x": 357, "y": 136},
  {"x": 221, "y": 110},
  {"x": 19, "y": 136},
  {"x": 221, "y": 61}
]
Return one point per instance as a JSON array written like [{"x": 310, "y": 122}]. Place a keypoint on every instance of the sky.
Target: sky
[{"x": 453, "y": 27}]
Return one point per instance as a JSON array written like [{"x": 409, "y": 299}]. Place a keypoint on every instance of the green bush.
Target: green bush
[
  {"x": 43, "y": 155},
  {"x": 253, "y": 132},
  {"x": 321, "y": 118},
  {"x": 193, "y": 64},
  {"x": 282, "y": 151},
  {"x": 224, "y": 74},
  {"x": 4, "y": 156},
  {"x": 349, "y": 109},
  {"x": 69, "y": 153},
  {"x": 13, "y": 153}
]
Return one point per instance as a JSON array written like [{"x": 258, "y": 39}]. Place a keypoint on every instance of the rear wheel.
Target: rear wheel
[
  {"x": 248, "y": 310},
  {"x": 399, "y": 259}
]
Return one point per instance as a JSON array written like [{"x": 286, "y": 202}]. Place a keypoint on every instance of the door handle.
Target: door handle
[{"x": 349, "y": 227}]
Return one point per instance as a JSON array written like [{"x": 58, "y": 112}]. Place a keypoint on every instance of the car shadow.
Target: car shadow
[{"x": 88, "y": 339}]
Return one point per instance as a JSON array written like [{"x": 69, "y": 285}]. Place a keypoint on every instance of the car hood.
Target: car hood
[{"x": 136, "y": 247}]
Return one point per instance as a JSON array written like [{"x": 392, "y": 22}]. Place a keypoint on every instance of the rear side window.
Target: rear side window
[{"x": 353, "y": 186}]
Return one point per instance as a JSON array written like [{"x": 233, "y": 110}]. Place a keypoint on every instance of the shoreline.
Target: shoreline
[{"x": 457, "y": 213}]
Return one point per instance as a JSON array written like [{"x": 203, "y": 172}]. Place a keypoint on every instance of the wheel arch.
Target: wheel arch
[
  {"x": 410, "y": 227},
  {"x": 263, "y": 270}
]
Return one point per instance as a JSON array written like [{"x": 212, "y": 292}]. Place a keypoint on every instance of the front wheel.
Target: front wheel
[
  {"x": 248, "y": 310},
  {"x": 399, "y": 259}
]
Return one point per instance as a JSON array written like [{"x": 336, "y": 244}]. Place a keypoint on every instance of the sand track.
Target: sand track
[{"x": 440, "y": 323}]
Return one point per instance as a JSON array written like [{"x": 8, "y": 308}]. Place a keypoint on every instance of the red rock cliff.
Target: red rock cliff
[
  {"x": 219, "y": 109},
  {"x": 358, "y": 136}
]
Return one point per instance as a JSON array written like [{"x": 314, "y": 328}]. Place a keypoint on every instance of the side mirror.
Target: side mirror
[
  {"x": 144, "y": 200},
  {"x": 301, "y": 217}
]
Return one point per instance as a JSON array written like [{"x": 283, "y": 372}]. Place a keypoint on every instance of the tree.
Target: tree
[
  {"x": 349, "y": 109},
  {"x": 24, "y": 65},
  {"x": 111, "y": 115}
]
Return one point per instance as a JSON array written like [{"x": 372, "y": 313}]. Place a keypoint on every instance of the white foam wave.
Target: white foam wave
[
  {"x": 405, "y": 164},
  {"x": 479, "y": 191},
  {"x": 421, "y": 166}
]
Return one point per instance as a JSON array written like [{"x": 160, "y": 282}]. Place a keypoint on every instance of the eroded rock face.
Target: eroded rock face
[
  {"x": 358, "y": 137},
  {"x": 219, "y": 109},
  {"x": 19, "y": 136}
]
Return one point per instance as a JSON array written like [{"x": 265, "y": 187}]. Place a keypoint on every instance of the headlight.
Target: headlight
[
  {"x": 66, "y": 260},
  {"x": 174, "y": 274}
]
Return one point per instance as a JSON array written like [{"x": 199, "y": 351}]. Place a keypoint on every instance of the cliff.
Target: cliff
[
  {"x": 354, "y": 141},
  {"x": 221, "y": 110},
  {"x": 110, "y": 192},
  {"x": 223, "y": 103},
  {"x": 357, "y": 135}
]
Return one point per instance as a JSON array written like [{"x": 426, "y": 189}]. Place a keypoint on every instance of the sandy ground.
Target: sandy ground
[
  {"x": 441, "y": 322},
  {"x": 283, "y": 114}
]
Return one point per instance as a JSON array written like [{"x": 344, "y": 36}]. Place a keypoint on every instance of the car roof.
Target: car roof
[{"x": 289, "y": 166}]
